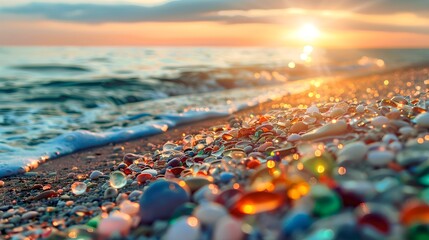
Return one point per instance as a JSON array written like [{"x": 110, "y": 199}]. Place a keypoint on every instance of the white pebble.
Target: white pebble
[
  {"x": 209, "y": 213},
  {"x": 185, "y": 228},
  {"x": 312, "y": 109}
]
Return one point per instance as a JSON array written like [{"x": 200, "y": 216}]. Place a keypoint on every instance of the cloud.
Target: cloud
[
  {"x": 208, "y": 10},
  {"x": 198, "y": 10}
]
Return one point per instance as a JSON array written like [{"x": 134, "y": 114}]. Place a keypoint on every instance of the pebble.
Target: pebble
[
  {"x": 78, "y": 188},
  {"x": 129, "y": 208},
  {"x": 110, "y": 193},
  {"x": 353, "y": 152},
  {"x": 160, "y": 200},
  {"x": 95, "y": 175},
  {"x": 184, "y": 228},
  {"x": 228, "y": 228},
  {"x": 1, "y": 183},
  {"x": 117, "y": 223},
  {"x": 422, "y": 120},
  {"x": 380, "y": 158},
  {"x": 117, "y": 179},
  {"x": 294, "y": 137},
  {"x": 379, "y": 121},
  {"x": 330, "y": 129},
  {"x": 210, "y": 213},
  {"x": 29, "y": 215}
]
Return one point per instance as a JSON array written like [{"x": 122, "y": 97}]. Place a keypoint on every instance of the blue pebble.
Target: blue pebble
[
  {"x": 160, "y": 200},
  {"x": 295, "y": 222},
  {"x": 225, "y": 177}
]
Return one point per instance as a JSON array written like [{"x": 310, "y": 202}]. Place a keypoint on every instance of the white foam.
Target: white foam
[{"x": 196, "y": 108}]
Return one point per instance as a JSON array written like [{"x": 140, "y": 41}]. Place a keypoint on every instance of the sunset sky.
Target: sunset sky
[{"x": 325, "y": 23}]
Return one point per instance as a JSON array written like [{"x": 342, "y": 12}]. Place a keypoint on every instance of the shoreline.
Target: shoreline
[{"x": 20, "y": 191}]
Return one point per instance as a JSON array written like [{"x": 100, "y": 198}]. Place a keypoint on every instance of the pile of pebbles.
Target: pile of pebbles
[{"x": 334, "y": 170}]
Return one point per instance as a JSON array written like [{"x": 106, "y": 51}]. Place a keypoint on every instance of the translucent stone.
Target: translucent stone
[
  {"x": 417, "y": 232},
  {"x": 297, "y": 188},
  {"x": 413, "y": 212},
  {"x": 257, "y": 202},
  {"x": 78, "y": 188},
  {"x": 169, "y": 146},
  {"x": 319, "y": 165},
  {"x": 117, "y": 179},
  {"x": 326, "y": 201},
  {"x": 235, "y": 154},
  {"x": 267, "y": 179},
  {"x": 81, "y": 232}
]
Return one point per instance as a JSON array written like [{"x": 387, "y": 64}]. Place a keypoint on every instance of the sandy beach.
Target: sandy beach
[{"x": 30, "y": 202}]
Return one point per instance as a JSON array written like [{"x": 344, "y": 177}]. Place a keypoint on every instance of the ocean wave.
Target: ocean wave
[{"x": 49, "y": 67}]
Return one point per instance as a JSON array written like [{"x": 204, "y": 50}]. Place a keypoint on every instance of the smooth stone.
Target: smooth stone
[
  {"x": 184, "y": 228},
  {"x": 110, "y": 193},
  {"x": 326, "y": 201},
  {"x": 160, "y": 200},
  {"x": 78, "y": 188},
  {"x": 209, "y": 213},
  {"x": 129, "y": 207},
  {"x": 134, "y": 195},
  {"x": 422, "y": 120},
  {"x": 117, "y": 223},
  {"x": 257, "y": 202},
  {"x": 295, "y": 222},
  {"x": 389, "y": 138},
  {"x": 152, "y": 172},
  {"x": 264, "y": 146},
  {"x": 379, "y": 121},
  {"x": 312, "y": 109},
  {"x": 206, "y": 193},
  {"x": 298, "y": 127},
  {"x": 360, "y": 108},
  {"x": 228, "y": 228},
  {"x": 417, "y": 231},
  {"x": 353, "y": 152},
  {"x": 226, "y": 177},
  {"x": 407, "y": 131},
  {"x": 95, "y": 175},
  {"x": 195, "y": 183},
  {"x": 117, "y": 179},
  {"x": 330, "y": 129},
  {"x": 29, "y": 215},
  {"x": 294, "y": 137},
  {"x": 380, "y": 158},
  {"x": 1, "y": 183}
]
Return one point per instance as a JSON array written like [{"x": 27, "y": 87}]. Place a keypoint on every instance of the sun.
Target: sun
[{"x": 308, "y": 32}]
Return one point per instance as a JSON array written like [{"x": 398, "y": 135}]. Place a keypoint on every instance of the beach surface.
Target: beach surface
[{"x": 45, "y": 191}]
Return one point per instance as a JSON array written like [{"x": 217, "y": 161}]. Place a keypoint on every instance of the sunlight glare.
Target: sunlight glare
[{"x": 308, "y": 32}]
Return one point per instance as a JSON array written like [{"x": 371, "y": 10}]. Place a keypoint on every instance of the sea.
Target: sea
[{"x": 58, "y": 100}]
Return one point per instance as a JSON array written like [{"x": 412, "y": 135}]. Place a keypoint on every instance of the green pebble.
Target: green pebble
[
  {"x": 326, "y": 201},
  {"x": 93, "y": 222},
  {"x": 318, "y": 166},
  {"x": 418, "y": 232}
]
